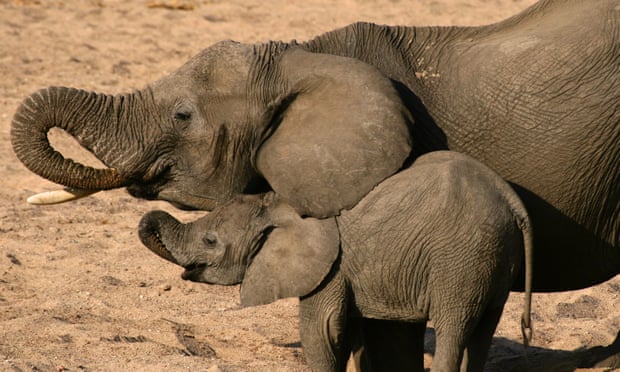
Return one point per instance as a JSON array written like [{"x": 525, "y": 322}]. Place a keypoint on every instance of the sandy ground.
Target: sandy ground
[{"x": 78, "y": 291}]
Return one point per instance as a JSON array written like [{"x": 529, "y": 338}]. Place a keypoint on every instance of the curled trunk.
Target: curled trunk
[
  {"x": 158, "y": 224},
  {"x": 81, "y": 114}
]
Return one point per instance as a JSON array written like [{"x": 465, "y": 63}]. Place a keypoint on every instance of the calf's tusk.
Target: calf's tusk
[{"x": 59, "y": 196}]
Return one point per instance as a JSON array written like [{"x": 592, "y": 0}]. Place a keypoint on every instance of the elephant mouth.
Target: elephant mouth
[
  {"x": 193, "y": 272},
  {"x": 151, "y": 183}
]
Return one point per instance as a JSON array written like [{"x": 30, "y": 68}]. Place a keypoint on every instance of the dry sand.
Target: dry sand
[{"x": 79, "y": 292}]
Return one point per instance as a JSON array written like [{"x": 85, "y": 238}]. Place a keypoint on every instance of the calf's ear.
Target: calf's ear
[{"x": 294, "y": 260}]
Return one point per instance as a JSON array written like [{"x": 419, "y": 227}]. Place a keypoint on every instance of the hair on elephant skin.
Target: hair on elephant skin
[{"x": 443, "y": 240}]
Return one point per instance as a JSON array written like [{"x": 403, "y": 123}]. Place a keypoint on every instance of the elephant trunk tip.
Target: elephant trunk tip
[
  {"x": 68, "y": 109},
  {"x": 149, "y": 234}
]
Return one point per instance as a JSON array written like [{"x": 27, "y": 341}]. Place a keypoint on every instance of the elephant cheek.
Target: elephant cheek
[
  {"x": 187, "y": 200},
  {"x": 213, "y": 275}
]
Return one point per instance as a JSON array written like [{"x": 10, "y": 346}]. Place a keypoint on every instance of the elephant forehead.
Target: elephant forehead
[{"x": 222, "y": 66}]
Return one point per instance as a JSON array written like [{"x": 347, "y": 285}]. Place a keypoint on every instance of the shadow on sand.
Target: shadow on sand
[{"x": 510, "y": 356}]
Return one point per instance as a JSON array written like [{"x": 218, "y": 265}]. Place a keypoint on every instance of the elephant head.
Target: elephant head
[
  {"x": 255, "y": 240},
  {"x": 321, "y": 130}
]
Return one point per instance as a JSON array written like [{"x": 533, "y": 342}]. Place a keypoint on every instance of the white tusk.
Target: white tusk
[{"x": 59, "y": 196}]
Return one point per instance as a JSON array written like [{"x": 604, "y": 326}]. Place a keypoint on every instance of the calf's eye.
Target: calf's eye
[{"x": 209, "y": 239}]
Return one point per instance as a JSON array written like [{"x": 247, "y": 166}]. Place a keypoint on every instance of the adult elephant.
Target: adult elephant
[{"x": 535, "y": 97}]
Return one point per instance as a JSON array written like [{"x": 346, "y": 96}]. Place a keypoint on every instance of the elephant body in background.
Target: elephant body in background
[
  {"x": 534, "y": 97},
  {"x": 442, "y": 240}
]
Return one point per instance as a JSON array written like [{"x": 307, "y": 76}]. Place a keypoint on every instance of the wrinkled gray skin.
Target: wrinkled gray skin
[
  {"x": 534, "y": 97},
  {"x": 441, "y": 240},
  {"x": 231, "y": 118}
]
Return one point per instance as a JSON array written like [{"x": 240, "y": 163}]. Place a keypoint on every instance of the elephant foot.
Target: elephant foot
[
  {"x": 612, "y": 362},
  {"x": 603, "y": 356}
]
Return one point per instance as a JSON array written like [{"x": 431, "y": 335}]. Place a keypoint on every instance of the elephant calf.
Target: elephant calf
[{"x": 442, "y": 240}]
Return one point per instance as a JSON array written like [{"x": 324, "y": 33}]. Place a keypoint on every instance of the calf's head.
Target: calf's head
[{"x": 256, "y": 240}]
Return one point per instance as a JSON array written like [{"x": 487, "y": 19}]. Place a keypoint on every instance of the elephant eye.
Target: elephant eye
[
  {"x": 210, "y": 239},
  {"x": 182, "y": 115}
]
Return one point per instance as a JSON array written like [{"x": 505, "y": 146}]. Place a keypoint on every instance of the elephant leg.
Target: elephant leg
[
  {"x": 450, "y": 342},
  {"x": 475, "y": 354},
  {"x": 384, "y": 345},
  {"x": 323, "y": 326}
]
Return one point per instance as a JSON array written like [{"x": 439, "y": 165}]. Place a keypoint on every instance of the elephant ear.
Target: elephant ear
[
  {"x": 342, "y": 130},
  {"x": 296, "y": 257}
]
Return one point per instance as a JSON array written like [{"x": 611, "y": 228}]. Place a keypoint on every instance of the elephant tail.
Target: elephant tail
[{"x": 527, "y": 330}]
